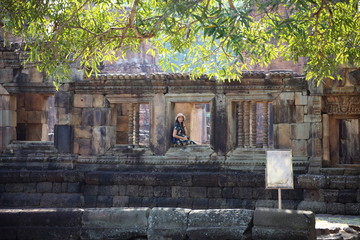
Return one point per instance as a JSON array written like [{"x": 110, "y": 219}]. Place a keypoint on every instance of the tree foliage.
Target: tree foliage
[{"x": 216, "y": 37}]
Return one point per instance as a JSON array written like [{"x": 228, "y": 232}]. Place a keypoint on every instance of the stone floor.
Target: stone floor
[{"x": 337, "y": 227}]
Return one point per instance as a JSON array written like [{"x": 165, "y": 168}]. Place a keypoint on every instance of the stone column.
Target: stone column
[
  {"x": 266, "y": 125},
  {"x": 240, "y": 126},
  {"x": 131, "y": 124},
  {"x": 219, "y": 115},
  {"x": 160, "y": 141},
  {"x": 137, "y": 123},
  {"x": 7, "y": 118},
  {"x": 253, "y": 124},
  {"x": 247, "y": 124},
  {"x": 198, "y": 124}
]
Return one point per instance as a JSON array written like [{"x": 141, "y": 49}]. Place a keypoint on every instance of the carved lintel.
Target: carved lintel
[{"x": 342, "y": 104}]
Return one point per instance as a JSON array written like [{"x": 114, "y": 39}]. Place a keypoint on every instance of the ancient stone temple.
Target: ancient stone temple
[{"x": 105, "y": 141}]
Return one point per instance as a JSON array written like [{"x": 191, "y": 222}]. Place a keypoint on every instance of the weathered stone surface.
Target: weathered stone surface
[
  {"x": 62, "y": 200},
  {"x": 300, "y": 131},
  {"x": 71, "y": 233},
  {"x": 335, "y": 208},
  {"x": 82, "y": 132},
  {"x": 336, "y": 182},
  {"x": 311, "y": 181},
  {"x": 114, "y": 223},
  {"x": 274, "y": 224},
  {"x": 299, "y": 147},
  {"x": 282, "y": 136},
  {"x": 219, "y": 224},
  {"x": 316, "y": 207},
  {"x": 83, "y": 100},
  {"x": 300, "y": 99},
  {"x": 167, "y": 223},
  {"x": 312, "y": 118}
]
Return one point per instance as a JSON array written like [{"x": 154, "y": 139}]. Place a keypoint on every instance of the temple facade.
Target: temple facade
[{"x": 106, "y": 140}]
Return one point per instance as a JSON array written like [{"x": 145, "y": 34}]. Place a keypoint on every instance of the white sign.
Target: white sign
[{"x": 279, "y": 171}]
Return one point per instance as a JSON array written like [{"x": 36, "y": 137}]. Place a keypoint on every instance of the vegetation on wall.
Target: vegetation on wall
[{"x": 220, "y": 38}]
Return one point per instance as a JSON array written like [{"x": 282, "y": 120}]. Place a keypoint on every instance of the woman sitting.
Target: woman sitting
[{"x": 179, "y": 136}]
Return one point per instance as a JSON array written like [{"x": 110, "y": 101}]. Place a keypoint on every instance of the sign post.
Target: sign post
[{"x": 279, "y": 171}]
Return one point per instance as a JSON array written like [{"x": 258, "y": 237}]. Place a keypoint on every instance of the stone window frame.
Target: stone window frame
[
  {"x": 132, "y": 99},
  {"x": 232, "y": 101},
  {"x": 331, "y": 153},
  {"x": 198, "y": 98}
]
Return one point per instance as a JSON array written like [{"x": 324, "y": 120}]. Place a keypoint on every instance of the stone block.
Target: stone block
[
  {"x": 73, "y": 187},
  {"x": 243, "y": 193},
  {"x": 168, "y": 223},
  {"x": 35, "y": 102},
  {"x": 21, "y": 115},
  {"x": 352, "y": 182},
  {"x": 63, "y": 99},
  {"x": 197, "y": 192},
  {"x": 99, "y": 101},
  {"x": 121, "y": 201},
  {"x": 162, "y": 191},
  {"x": 314, "y": 148},
  {"x": 312, "y": 195},
  {"x": 308, "y": 181},
  {"x": 111, "y": 190},
  {"x": 286, "y": 220},
  {"x": 9, "y": 218},
  {"x": 335, "y": 208},
  {"x": 347, "y": 195},
  {"x": 115, "y": 223},
  {"x": 328, "y": 195},
  {"x": 299, "y": 117},
  {"x": 4, "y": 101},
  {"x": 299, "y": 131},
  {"x": 44, "y": 187},
  {"x": 219, "y": 223},
  {"x": 314, "y": 105},
  {"x": 200, "y": 203},
  {"x": 104, "y": 201},
  {"x": 83, "y": 100},
  {"x": 20, "y": 199},
  {"x": 76, "y": 116},
  {"x": 36, "y": 132},
  {"x": 122, "y": 123},
  {"x": 52, "y": 217},
  {"x": 63, "y": 200},
  {"x": 71, "y": 233},
  {"x": 132, "y": 190},
  {"x": 316, "y": 130},
  {"x": 300, "y": 99},
  {"x": 63, "y": 118},
  {"x": 352, "y": 209},
  {"x": 6, "y": 75},
  {"x": 284, "y": 111},
  {"x": 146, "y": 191},
  {"x": 36, "y": 116},
  {"x": 214, "y": 192},
  {"x": 217, "y": 203},
  {"x": 336, "y": 182},
  {"x": 287, "y": 96},
  {"x": 314, "y": 206},
  {"x": 14, "y": 187},
  {"x": 83, "y": 145},
  {"x": 83, "y": 132},
  {"x": 282, "y": 136},
  {"x": 312, "y": 118},
  {"x": 299, "y": 147},
  {"x": 63, "y": 138}
]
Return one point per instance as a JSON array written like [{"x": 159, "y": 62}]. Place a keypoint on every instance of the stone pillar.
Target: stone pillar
[
  {"x": 7, "y": 118},
  {"x": 240, "y": 126},
  {"x": 253, "y": 124},
  {"x": 219, "y": 116},
  {"x": 247, "y": 124},
  {"x": 131, "y": 124},
  {"x": 198, "y": 124},
  {"x": 137, "y": 123},
  {"x": 266, "y": 125},
  {"x": 160, "y": 141}
]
